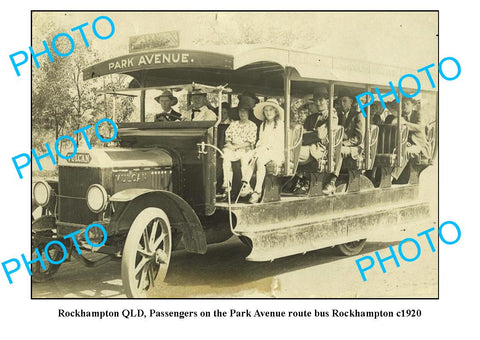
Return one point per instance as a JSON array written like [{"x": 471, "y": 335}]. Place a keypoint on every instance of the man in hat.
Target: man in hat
[
  {"x": 315, "y": 137},
  {"x": 166, "y": 100},
  {"x": 199, "y": 109}
]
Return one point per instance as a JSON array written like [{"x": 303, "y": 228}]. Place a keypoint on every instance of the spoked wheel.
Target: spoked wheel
[
  {"x": 55, "y": 253},
  {"x": 147, "y": 252},
  {"x": 350, "y": 248}
]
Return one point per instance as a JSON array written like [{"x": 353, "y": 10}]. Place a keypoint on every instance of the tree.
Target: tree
[{"x": 61, "y": 101}]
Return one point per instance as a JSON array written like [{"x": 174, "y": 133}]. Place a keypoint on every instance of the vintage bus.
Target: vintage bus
[{"x": 155, "y": 191}]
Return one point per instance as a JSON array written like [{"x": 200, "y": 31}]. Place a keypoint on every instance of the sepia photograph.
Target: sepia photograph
[{"x": 237, "y": 154}]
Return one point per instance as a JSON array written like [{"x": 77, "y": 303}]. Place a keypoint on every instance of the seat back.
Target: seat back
[
  {"x": 296, "y": 134},
  {"x": 387, "y": 144},
  {"x": 338, "y": 132},
  {"x": 374, "y": 132},
  {"x": 431, "y": 135},
  {"x": 387, "y": 137}
]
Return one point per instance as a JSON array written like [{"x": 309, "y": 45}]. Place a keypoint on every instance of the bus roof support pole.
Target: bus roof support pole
[
  {"x": 331, "y": 167},
  {"x": 367, "y": 134},
  {"x": 114, "y": 108},
  {"x": 437, "y": 131},
  {"x": 287, "y": 88},
  {"x": 219, "y": 118},
  {"x": 399, "y": 131},
  {"x": 142, "y": 106}
]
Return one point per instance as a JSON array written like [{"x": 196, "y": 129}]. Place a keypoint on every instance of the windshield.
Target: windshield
[{"x": 166, "y": 104}]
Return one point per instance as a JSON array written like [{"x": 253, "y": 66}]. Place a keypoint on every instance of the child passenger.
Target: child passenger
[
  {"x": 269, "y": 146},
  {"x": 240, "y": 139}
]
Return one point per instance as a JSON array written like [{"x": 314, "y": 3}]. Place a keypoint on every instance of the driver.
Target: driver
[
  {"x": 199, "y": 108},
  {"x": 166, "y": 101}
]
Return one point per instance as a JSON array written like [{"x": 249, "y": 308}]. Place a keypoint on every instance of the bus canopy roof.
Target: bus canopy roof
[{"x": 255, "y": 68}]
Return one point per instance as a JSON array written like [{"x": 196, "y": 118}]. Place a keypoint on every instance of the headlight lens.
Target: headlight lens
[
  {"x": 41, "y": 192},
  {"x": 97, "y": 198}
]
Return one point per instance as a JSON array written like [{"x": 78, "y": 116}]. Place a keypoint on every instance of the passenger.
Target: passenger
[
  {"x": 417, "y": 145},
  {"x": 199, "y": 109},
  {"x": 166, "y": 100},
  {"x": 226, "y": 115},
  {"x": 240, "y": 139},
  {"x": 354, "y": 131},
  {"x": 248, "y": 99},
  {"x": 345, "y": 107},
  {"x": 378, "y": 113},
  {"x": 315, "y": 139},
  {"x": 269, "y": 146},
  {"x": 304, "y": 111},
  {"x": 392, "y": 108}
]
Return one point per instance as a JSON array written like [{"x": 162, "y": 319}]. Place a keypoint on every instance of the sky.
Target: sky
[{"x": 406, "y": 39}]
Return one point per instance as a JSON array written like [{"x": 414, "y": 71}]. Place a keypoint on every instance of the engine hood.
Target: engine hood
[{"x": 118, "y": 158}]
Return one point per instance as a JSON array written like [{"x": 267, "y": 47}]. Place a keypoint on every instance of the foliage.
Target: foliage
[
  {"x": 61, "y": 101},
  {"x": 259, "y": 28}
]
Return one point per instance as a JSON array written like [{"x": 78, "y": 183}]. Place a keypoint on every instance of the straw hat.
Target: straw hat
[
  {"x": 258, "y": 109},
  {"x": 167, "y": 94}
]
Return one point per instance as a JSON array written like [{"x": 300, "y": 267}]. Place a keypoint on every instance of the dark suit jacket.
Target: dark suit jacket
[
  {"x": 317, "y": 119},
  {"x": 168, "y": 117},
  {"x": 314, "y": 121},
  {"x": 342, "y": 116},
  {"x": 354, "y": 129}
]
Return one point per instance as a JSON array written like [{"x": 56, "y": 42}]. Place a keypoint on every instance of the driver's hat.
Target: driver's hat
[{"x": 169, "y": 95}]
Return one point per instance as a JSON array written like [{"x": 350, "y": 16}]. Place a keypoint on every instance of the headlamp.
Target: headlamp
[
  {"x": 97, "y": 198},
  {"x": 41, "y": 192}
]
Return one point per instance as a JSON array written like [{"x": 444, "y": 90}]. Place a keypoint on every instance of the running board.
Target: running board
[{"x": 278, "y": 240}]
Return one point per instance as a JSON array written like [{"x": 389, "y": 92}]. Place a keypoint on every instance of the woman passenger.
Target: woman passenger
[
  {"x": 269, "y": 146},
  {"x": 240, "y": 138}
]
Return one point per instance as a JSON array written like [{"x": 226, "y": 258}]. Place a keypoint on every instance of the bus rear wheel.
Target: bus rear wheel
[{"x": 350, "y": 248}]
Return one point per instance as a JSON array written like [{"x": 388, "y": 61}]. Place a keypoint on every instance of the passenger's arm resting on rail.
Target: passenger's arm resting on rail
[
  {"x": 415, "y": 123},
  {"x": 412, "y": 126}
]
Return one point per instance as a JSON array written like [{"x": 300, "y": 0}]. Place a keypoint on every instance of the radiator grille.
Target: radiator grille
[{"x": 73, "y": 183}]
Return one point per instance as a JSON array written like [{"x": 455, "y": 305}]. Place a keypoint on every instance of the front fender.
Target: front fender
[
  {"x": 182, "y": 217},
  {"x": 44, "y": 223}
]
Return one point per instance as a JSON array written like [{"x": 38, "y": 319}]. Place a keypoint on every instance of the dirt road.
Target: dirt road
[{"x": 223, "y": 272}]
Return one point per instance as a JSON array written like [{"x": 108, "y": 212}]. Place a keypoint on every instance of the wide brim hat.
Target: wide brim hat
[
  {"x": 169, "y": 95},
  {"x": 249, "y": 95},
  {"x": 258, "y": 109}
]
